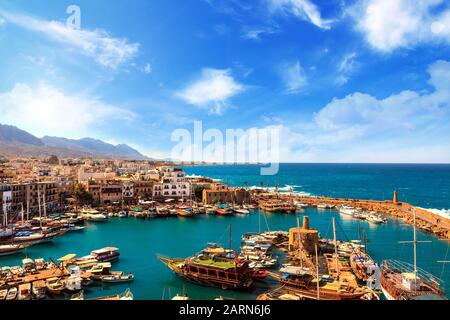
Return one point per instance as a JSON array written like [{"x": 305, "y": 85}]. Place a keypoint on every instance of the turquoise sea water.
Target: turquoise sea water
[
  {"x": 140, "y": 241},
  {"x": 423, "y": 185}
]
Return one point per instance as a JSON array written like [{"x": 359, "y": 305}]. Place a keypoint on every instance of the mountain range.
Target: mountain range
[{"x": 17, "y": 142}]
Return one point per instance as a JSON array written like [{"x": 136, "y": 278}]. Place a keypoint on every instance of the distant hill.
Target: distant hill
[{"x": 17, "y": 142}]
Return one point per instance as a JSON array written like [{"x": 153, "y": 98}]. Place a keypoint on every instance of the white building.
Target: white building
[{"x": 173, "y": 184}]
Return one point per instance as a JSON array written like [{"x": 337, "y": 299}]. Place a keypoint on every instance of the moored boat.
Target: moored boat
[
  {"x": 214, "y": 266},
  {"x": 24, "y": 292},
  {"x": 185, "y": 212},
  {"x": 10, "y": 249},
  {"x": 108, "y": 254},
  {"x": 118, "y": 278},
  {"x": 403, "y": 281},
  {"x": 12, "y": 293}
]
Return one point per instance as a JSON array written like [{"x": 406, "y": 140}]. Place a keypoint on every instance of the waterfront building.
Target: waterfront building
[
  {"x": 172, "y": 184},
  {"x": 236, "y": 195}
]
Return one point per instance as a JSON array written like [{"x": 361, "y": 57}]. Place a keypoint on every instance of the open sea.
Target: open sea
[{"x": 141, "y": 241}]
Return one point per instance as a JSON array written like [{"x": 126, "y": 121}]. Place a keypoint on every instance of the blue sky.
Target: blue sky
[{"x": 344, "y": 81}]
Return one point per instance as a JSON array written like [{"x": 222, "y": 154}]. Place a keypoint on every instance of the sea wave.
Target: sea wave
[
  {"x": 285, "y": 189},
  {"x": 440, "y": 212}
]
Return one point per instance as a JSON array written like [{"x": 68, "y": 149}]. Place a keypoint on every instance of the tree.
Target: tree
[
  {"x": 82, "y": 196},
  {"x": 198, "y": 192},
  {"x": 53, "y": 160}
]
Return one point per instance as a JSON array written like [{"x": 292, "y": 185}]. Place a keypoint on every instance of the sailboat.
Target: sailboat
[{"x": 403, "y": 281}]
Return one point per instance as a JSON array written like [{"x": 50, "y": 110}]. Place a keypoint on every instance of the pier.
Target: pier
[{"x": 425, "y": 220}]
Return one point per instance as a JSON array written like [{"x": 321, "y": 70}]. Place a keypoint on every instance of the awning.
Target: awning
[{"x": 67, "y": 257}]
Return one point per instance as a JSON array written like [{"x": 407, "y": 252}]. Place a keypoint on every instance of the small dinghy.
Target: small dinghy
[{"x": 118, "y": 278}]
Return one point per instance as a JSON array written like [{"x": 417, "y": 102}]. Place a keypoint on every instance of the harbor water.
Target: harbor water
[{"x": 141, "y": 241}]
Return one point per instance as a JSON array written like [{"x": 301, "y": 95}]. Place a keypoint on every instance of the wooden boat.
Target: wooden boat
[
  {"x": 55, "y": 286},
  {"x": 12, "y": 293},
  {"x": 403, "y": 281},
  {"x": 215, "y": 267},
  {"x": 278, "y": 206},
  {"x": 76, "y": 228},
  {"x": 10, "y": 249},
  {"x": 126, "y": 296},
  {"x": 241, "y": 211},
  {"x": 363, "y": 265},
  {"x": 210, "y": 210},
  {"x": 38, "y": 290},
  {"x": 223, "y": 210},
  {"x": 305, "y": 285},
  {"x": 24, "y": 291},
  {"x": 118, "y": 278},
  {"x": 178, "y": 297},
  {"x": 3, "y": 294},
  {"x": 185, "y": 212}
]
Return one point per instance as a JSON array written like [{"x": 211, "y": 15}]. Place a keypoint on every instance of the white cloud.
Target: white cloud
[
  {"x": 294, "y": 77},
  {"x": 45, "y": 110},
  {"x": 345, "y": 68},
  {"x": 392, "y": 24},
  {"x": 255, "y": 33},
  {"x": 2, "y": 21},
  {"x": 409, "y": 127},
  {"x": 212, "y": 90},
  {"x": 302, "y": 9},
  {"x": 147, "y": 68},
  {"x": 98, "y": 44}
]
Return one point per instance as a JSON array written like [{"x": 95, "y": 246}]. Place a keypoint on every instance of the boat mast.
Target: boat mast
[
  {"x": 21, "y": 204},
  {"x": 415, "y": 246},
  {"x": 335, "y": 248},
  {"x": 299, "y": 243},
  {"x": 39, "y": 206},
  {"x": 229, "y": 237},
  {"x": 317, "y": 274},
  {"x": 45, "y": 206},
  {"x": 28, "y": 209}
]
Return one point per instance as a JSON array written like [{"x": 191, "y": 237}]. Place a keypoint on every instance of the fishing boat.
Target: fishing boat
[
  {"x": 118, "y": 278},
  {"x": 12, "y": 293},
  {"x": 3, "y": 294},
  {"x": 210, "y": 210},
  {"x": 76, "y": 228},
  {"x": 10, "y": 249},
  {"x": 364, "y": 267},
  {"x": 123, "y": 214},
  {"x": 214, "y": 266},
  {"x": 126, "y": 296},
  {"x": 241, "y": 211},
  {"x": 38, "y": 290},
  {"x": 179, "y": 297},
  {"x": 55, "y": 286},
  {"x": 403, "y": 281},
  {"x": 185, "y": 212},
  {"x": 24, "y": 292},
  {"x": 223, "y": 210}
]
